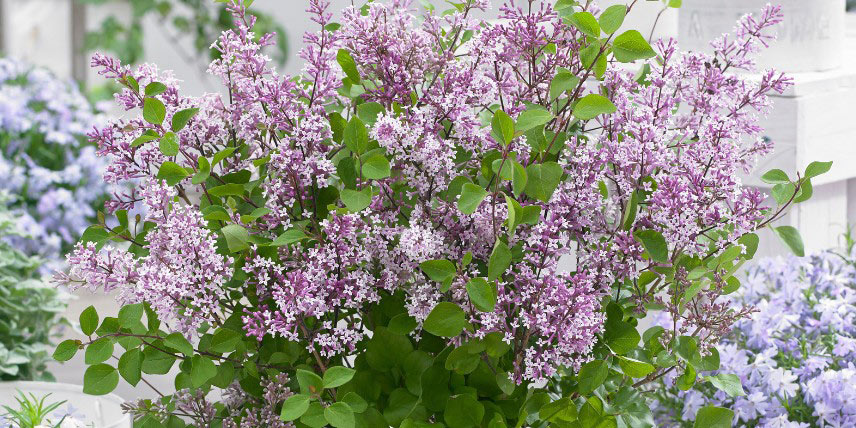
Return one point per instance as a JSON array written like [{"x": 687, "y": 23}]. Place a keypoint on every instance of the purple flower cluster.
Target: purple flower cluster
[
  {"x": 44, "y": 159},
  {"x": 795, "y": 356},
  {"x": 436, "y": 100}
]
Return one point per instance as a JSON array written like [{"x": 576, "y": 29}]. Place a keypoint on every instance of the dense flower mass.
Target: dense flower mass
[
  {"x": 44, "y": 159},
  {"x": 795, "y": 357},
  {"x": 444, "y": 159}
]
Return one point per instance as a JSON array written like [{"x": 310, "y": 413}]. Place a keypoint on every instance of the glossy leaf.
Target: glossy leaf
[{"x": 445, "y": 320}]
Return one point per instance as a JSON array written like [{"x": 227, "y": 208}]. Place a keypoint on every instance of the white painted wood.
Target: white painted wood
[{"x": 810, "y": 38}]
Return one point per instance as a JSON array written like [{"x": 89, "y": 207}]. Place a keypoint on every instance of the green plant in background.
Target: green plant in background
[
  {"x": 30, "y": 310},
  {"x": 199, "y": 21},
  {"x": 32, "y": 412}
]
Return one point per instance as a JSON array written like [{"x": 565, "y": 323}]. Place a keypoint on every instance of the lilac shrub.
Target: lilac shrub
[
  {"x": 377, "y": 241},
  {"x": 45, "y": 160},
  {"x": 795, "y": 356}
]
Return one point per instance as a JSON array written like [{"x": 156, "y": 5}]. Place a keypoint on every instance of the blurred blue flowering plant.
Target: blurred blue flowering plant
[
  {"x": 45, "y": 161},
  {"x": 795, "y": 356}
]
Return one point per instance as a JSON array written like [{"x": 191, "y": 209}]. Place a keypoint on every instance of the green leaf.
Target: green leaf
[
  {"x": 502, "y": 127},
  {"x": 783, "y": 192},
  {"x": 817, "y": 168},
  {"x": 445, "y": 320},
  {"x": 634, "y": 368},
  {"x": 169, "y": 144},
  {"x": 156, "y": 361},
  {"x": 130, "y": 315},
  {"x": 401, "y": 404},
  {"x": 154, "y": 111},
  {"x": 368, "y": 112},
  {"x": 130, "y": 366},
  {"x": 805, "y": 192},
  {"x": 612, "y": 18},
  {"x": 97, "y": 234},
  {"x": 224, "y": 341},
  {"x": 337, "y": 376},
  {"x": 791, "y": 236},
  {"x": 438, "y": 270},
  {"x": 66, "y": 350},
  {"x": 237, "y": 237},
  {"x": 376, "y": 167},
  {"x": 563, "y": 82},
  {"x": 340, "y": 415},
  {"x": 89, "y": 320},
  {"x": 357, "y": 403},
  {"x": 202, "y": 370},
  {"x": 172, "y": 173},
  {"x": 654, "y": 243},
  {"x": 402, "y": 324},
  {"x": 294, "y": 407},
  {"x": 775, "y": 176},
  {"x": 591, "y": 376},
  {"x": 357, "y": 201},
  {"x": 463, "y": 411},
  {"x": 533, "y": 116},
  {"x": 155, "y": 88},
  {"x": 222, "y": 154},
  {"x": 630, "y": 46},
  {"x": 145, "y": 138},
  {"x": 356, "y": 136},
  {"x": 347, "y": 170},
  {"x": 99, "y": 351},
  {"x": 100, "y": 379},
  {"x": 228, "y": 189},
  {"x": 542, "y": 180},
  {"x": 289, "y": 237},
  {"x": 519, "y": 178},
  {"x": 506, "y": 385},
  {"x": 561, "y": 410},
  {"x": 621, "y": 337},
  {"x": 181, "y": 117},
  {"x": 349, "y": 66},
  {"x": 514, "y": 210},
  {"x": 178, "y": 342},
  {"x": 472, "y": 196},
  {"x": 314, "y": 416},
  {"x": 750, "y": 241},
  {"x": 586, "y": 23},
  {"x": 500, "y": 260},
  {"x": 310, "y": 383},
  {"x": 727, "y": 383},
  {"x": 482, "y": 294},
  {"x": 713, "y": 417},
  {"x": 204, "y": 171},
  {"x": 593, "y": 105},
  {"x": 687, "y": 379}
]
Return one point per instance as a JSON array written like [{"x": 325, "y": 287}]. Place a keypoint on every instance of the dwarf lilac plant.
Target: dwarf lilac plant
[{"x": 441, "y": 221}]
